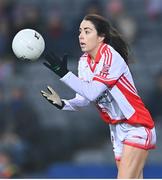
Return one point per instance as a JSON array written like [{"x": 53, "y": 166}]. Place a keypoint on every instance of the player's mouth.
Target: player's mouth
[{"x": 82, "y": 44}]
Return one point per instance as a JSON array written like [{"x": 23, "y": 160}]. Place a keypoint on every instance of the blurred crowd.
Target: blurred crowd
[{"x": 23, "y": 139}]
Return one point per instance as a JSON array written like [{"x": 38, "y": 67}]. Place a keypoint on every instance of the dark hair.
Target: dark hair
[{"x": 111, "y": 35}]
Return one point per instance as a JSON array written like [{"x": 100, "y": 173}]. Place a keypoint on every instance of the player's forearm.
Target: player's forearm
[{"x": 88, "y": 90}]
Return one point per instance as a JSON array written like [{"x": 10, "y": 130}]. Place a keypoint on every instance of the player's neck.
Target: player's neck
[
  {"x": 93, "y": 56},
  {"x": 94, "y": 52},
  {"x": 92, "y": 60}
]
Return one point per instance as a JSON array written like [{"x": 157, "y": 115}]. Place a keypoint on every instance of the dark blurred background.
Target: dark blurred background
[{"x": 36, "y": 139}]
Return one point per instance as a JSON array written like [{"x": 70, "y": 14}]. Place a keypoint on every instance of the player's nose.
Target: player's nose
[{"x": 81, "y": 36}]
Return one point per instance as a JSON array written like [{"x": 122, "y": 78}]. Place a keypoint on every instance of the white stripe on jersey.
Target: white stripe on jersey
[
  {"x": 127, "y": 86},
  {"x": 124, "y": 105}
]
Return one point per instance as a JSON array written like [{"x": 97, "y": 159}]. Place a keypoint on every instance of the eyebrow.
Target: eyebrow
[{"x": 86, "y": 28}]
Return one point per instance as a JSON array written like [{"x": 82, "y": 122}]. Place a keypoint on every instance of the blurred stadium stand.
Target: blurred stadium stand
[{"x": 76, "y": 138}]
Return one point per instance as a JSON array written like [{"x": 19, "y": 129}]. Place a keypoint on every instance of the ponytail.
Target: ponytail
[{"x": 118, "y": 44}]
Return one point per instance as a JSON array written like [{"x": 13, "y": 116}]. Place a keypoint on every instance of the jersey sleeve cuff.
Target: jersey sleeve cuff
[
  {"x": 67, "y": 105},
  {"x": 67, "y": 76}
]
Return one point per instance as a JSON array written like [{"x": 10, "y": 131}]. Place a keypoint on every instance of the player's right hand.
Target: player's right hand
[
  {"x": 53, "y": 97},
  {"x": 56, "y": 64}
]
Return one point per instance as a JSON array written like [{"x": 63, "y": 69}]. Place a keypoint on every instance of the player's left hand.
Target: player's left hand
[
  {"x": 53, "y": 98},
  {"x": 56, "y": 64}
]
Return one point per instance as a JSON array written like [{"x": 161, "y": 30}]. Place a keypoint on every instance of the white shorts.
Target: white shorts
[{"x": 136, "y": 136}]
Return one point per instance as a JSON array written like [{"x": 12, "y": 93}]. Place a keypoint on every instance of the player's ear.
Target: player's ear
[{"x": 101, "y": 38}]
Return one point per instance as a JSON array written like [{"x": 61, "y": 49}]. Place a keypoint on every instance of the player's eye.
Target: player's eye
[{"x": 87, "y": 32}]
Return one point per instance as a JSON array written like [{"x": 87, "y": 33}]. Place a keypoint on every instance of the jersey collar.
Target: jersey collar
[{"x": 97, "y": 58}]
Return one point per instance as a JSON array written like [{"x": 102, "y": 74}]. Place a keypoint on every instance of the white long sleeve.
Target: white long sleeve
[
  {"x": 76, "y": 103},
  {"x": 89, "y": 90}
]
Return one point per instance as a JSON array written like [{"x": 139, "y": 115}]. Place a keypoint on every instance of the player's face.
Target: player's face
[{"x": 88, "y": 38}]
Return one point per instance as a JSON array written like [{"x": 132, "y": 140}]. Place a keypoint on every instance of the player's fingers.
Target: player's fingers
[
  {"x": 51, "y": 90},
  {"x": 47, "y": 65},
  {"x": 44, "y": 94},
  {"x": 52, "y": 57},
  {"x": 48, "y": 56}
]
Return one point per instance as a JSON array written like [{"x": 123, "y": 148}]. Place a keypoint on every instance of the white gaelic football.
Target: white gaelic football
[{"x": 28, "y": 44}]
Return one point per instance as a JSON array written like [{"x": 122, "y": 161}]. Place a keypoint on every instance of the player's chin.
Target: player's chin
[{"x": 83, "y": 49}]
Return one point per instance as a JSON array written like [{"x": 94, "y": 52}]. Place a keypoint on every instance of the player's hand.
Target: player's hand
[
  {"x": 56, "y": 64},
  {"x": 53, "y": 98}
]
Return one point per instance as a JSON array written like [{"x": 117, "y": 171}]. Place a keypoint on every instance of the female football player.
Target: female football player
[{"x": 104, "y": 78}]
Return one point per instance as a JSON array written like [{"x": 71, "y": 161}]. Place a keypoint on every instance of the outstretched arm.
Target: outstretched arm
[
  {"x": 89, "y": 91},
  {"x": 73, "y": 104}
]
